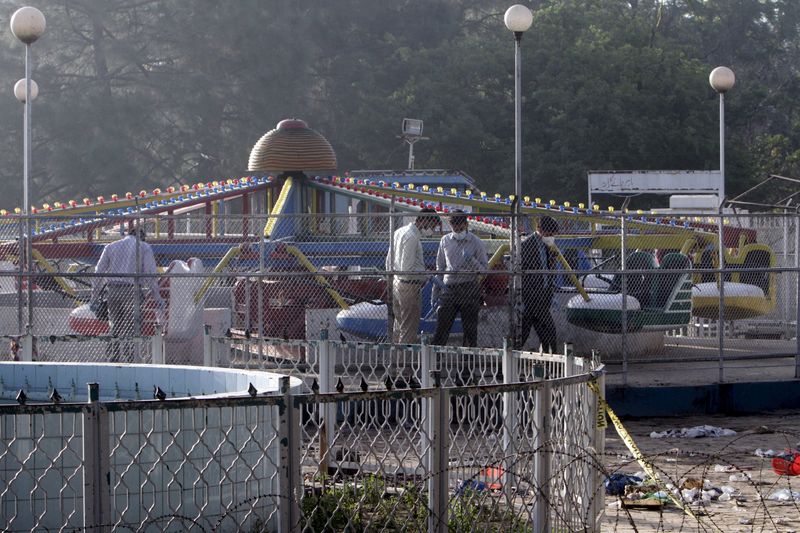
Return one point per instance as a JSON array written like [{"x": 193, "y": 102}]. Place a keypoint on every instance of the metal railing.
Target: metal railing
[{"x": 487, "y": 457}]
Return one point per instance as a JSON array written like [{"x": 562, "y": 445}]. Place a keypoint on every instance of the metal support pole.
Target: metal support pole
[
  {"x": 157, "y": 345},
  {"x": 26, "y": 188},
  {"x": 425, "y": 366},
  {"x": 208, "y": 356},
  {"x": 599, "y": 444},
  {"x": 624, "y": 290},
  {"x": 515, "y": 321},
  {"x": 721, "y": 148},
  {"x": 541, "y": 507},
  {"x": 327, "y": 411},
  {"x": 721, "y": 315},
  {"x": 26, "y": 346},
  {"x": 289, "y": 481},
  {"x": 390, "y": 291},
  {"x": 510, "y": 375},
  {"x": 438, "y": 491},
  {"x": 797, "y": 295},
  {"x": 21, "y": 244},
  {"x": 96, "y": 466}
]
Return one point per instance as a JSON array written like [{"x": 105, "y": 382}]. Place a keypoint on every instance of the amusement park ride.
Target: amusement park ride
[{"x": 294, "y": 239}]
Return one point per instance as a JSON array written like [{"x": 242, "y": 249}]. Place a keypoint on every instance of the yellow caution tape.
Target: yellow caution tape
[{"x": 605, "y": 409}]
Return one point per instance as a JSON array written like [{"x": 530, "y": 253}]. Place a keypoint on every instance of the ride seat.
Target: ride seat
[
  {"x": 639, "y": 285},
  {"x": 756, "y": 259},
  {"x": 665, "y": 284}
]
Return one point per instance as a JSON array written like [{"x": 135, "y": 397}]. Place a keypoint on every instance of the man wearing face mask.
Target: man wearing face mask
[
  {"x": 462, "y": 255},
  {"x": 537, "y": 289},
  {"x": 406, "y": 256}
]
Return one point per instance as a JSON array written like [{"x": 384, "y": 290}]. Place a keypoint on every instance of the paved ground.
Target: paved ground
[
  {"x": 678, "y": 459},
  {"x": 688, "y": 361}
]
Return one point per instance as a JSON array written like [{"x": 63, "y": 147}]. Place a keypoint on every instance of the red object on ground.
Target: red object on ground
[{"x": 787, "y": 466}]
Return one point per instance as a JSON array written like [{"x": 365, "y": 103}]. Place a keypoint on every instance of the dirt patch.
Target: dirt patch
[{"x": 729, "y": 464}]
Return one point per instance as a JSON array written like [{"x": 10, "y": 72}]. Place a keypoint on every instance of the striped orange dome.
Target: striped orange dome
[{"x": 292, "y": 146}]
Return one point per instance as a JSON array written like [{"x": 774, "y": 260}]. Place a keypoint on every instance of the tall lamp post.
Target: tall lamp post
[
  {"x": 27, "y": 25},
  {"x": 722, "y": 80},
  {"x": 518, "y": 19}
]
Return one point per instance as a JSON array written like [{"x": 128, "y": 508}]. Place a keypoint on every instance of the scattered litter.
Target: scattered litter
[
  {"x": 725, "y": 468},
  {"x": 784, "y": 495},
  {"x": 691, "y": 483},
  {"x": 693, "y": 432},
  {"x": 765, "y": 453},
  {"x": 787, "y": 463},
  {"x": 739, "y": 477},
  {"x": 761, "y": 430},
  {"x": 746, "y": 521},
  {"x": 727, "y": 489},
  {"x": 724, "y": 497},
  {"x": 647, "y": 503},
  {"x": 615, "y": 484}
]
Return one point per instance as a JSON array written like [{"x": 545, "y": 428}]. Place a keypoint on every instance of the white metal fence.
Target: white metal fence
[{"x": 484, "y": 457}]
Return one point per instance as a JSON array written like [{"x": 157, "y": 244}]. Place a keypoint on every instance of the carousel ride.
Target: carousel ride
[{"x": 330, "y": 233}]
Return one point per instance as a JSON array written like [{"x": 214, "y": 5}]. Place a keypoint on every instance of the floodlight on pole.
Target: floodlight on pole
[{"x": 411, "y": 133}]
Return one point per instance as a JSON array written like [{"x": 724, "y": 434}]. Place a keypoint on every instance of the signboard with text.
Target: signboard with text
[{"x": 630, "y": 182}]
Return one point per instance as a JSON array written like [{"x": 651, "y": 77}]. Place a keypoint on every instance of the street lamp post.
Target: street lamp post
[
  {"x": 722, "y": 80},
  {"x": 518, "y": 19},
  {"x": 27, "y": 25}
]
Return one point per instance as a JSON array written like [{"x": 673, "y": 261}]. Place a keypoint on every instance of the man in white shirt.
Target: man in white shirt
[
  {"x": 122, "y": 286},
  {"x": 405, "y": 255},
  {"x": 461, "y": 257}
]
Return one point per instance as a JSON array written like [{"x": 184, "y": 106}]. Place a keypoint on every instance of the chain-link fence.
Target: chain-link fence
[
  {"x": 483, "y": 458},
  {"x": 642, "y": 292}
]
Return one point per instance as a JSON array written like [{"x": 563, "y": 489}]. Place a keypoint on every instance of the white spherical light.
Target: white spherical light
[
  {"x": 518, "y": 18},
  {"x": 19, "y": 90},
  {"x": 722, "y": 79},
  {"x": 27, "y": 24}
]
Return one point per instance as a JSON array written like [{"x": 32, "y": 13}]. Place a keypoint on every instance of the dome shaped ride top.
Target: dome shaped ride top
[{"x": 292, "y": 146}]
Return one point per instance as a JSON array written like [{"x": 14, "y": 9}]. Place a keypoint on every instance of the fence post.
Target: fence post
[
  {"x": 157, "y": 345},
  {"x": 96, "y": 467},
  {"x": 439, "y": 424},
  {"x": 26, "y": 345},
  {"x": 289, "y": 482},
  {"x": 426, "y": 404},
  {"x": 624, "y": 291},
  {"x": 541, "y": 507},
  {"x": 721, "y": 315},
  {"x": 208, "y": 356},
  {"x": 797, "y": 294},
  {"x": 509, "y": 422},
  {"x": 328, "y": 411},
  {"x": 599, "y": 445}
]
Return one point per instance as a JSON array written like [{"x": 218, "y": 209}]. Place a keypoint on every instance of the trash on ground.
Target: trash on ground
[
  {"x": 615, "y": 483},
  {"x": 647, "y": 503},
  {"x": 693, "y": 432},
  {"x": 765, "y": 453},
  {"x": 787, "y": 463},
  {"x": 739, "y": 477},
  {"x": 784, "y": 495}
]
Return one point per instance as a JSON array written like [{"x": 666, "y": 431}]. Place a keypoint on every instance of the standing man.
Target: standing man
[
  {"x": 462, "y": 256},
  {"x": 405, "y": 255},
  {"x": 537, "y": 289},
  {"x": 119, "y": 262}
]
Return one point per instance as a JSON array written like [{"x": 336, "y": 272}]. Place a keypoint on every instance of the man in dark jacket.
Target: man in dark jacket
[{"x": 537, "y": 289}]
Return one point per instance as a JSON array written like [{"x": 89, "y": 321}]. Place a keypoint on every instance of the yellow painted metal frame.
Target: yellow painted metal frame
[
  {"x": 47, "y": 267},
  {"x": 303, "y": 260},
  {"x": 229, "y": 255},
  {"x": 278, "y": 207}
]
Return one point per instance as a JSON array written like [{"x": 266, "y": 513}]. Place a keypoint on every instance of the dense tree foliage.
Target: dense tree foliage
[{"x": 143, "y": 93}]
